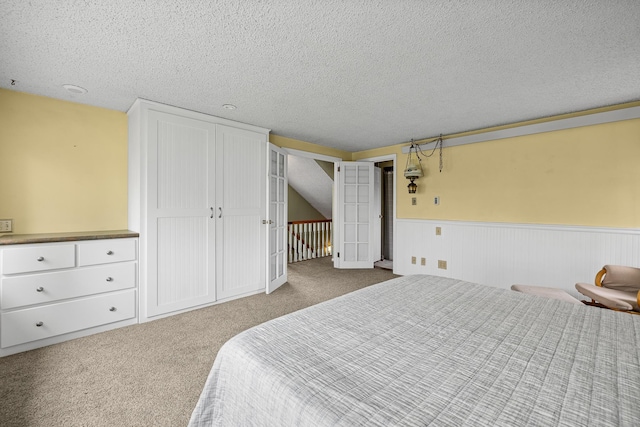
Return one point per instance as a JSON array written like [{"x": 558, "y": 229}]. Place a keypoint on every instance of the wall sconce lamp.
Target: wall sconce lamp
[{"x": 413, "y": 170}]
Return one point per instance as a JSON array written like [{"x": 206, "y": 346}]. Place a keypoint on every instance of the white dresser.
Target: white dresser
[{"x": 65, "y": 286}]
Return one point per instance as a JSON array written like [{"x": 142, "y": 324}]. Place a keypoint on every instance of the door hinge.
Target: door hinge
[
  {"x": 338, "y": 168},
  {"x": 338, "y": 254}
]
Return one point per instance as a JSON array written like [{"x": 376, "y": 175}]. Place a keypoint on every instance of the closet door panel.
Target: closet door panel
[
  {"x": 181, "y": 269},
  {"x": 182, "y": 166},
  {"x": 242, "y": 265},
  {"x": 240, "y": 192},
  {"x": 182, "y": 260}
]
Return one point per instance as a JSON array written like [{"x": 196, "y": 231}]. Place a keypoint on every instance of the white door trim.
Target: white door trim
[{"x": 387, "y": 158}]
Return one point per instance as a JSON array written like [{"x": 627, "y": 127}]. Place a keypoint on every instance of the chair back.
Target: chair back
[{"x": 621, "y": 278}]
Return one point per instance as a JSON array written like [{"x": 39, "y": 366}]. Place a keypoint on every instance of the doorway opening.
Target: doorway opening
[
  {"x": 310, "y": 206},
  {"x": 385, "y": 258},
  {"x": 382, "y": 221}
]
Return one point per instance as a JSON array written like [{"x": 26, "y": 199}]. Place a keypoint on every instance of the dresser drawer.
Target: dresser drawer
[
  {"x": 42, "y": 288},
  {"x": 21, "y": 326},
  {"x": 38, "y": 258},
  {"x": 106, "y": 251}
]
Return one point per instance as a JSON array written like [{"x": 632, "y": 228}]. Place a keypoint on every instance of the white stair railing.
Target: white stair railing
[{"x": 309, "y": 239}]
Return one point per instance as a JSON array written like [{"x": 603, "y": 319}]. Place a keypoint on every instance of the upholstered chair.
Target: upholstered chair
[{"x": 616, "y": 287}]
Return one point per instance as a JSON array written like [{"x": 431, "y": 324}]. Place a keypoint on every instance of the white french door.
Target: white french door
[
  {"x": 180, "y": 225},
  {"x": 354, "y": 233},
  {"x": 278, "y": 189},
  {"x": 239, "y": 211}
]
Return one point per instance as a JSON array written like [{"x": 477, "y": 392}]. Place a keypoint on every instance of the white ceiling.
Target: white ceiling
[{"x": 344, "y": 74}]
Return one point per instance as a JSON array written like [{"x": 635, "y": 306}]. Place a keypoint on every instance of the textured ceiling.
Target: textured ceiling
[{"x": 344, "y": 74}]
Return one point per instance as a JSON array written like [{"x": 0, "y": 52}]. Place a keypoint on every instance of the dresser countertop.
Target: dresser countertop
[{"x": 18, "y": 239}]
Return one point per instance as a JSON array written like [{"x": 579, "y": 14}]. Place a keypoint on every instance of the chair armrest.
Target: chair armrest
[
  {"x": 599, "y": 276},
  {"x": 608, "y": 297}
]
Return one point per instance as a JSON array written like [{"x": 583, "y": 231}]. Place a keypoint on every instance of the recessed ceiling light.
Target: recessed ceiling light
[
  {"x": 229, "y": 106},
  {"x": 75, "y": 89}
]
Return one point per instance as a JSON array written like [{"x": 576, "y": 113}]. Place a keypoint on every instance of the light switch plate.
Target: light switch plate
[{"x": 6, "y": 225}]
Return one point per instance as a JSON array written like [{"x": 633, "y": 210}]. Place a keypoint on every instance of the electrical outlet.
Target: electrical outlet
[
  {"x": 438, "y": 231},
  {"x": 442, "y": 264},
  {"x": 6, "y": 225},
  {"x": 436, "y": 200},
  {"x": 414, "y": 201},
  {"x": 413, "y": 260},
  {"x": 423, "y": 261}
]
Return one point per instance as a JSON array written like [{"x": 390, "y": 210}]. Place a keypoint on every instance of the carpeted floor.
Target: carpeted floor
[{"x": 152, "y": 374}]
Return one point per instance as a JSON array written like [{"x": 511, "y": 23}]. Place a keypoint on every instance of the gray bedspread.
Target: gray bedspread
[{"x": 425, "y": 350}]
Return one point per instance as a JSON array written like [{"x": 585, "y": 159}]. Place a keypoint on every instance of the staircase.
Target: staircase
[{"x": 309, "y": 239}]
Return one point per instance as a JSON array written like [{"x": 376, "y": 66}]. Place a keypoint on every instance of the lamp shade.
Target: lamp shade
[{"x": 413, "y": 170}]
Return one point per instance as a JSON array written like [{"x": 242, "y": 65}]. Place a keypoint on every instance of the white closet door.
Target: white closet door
[
  {"x": 278, "y": 189},
  {"x": 354, "y": 189},
  {"x": 180, "y": 262},
  {"x": 240, "y": 209}
]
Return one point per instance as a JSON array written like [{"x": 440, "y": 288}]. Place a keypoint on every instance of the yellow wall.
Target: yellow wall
[
  {"x": 300, "y": 209},
  {"x": 296, "y": 144},
  {"x": 587, "y": 176},
  {"x": 63, "y": 165}
]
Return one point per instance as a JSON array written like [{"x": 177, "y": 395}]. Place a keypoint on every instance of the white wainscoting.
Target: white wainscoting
[{"x": 500, "y": 255}]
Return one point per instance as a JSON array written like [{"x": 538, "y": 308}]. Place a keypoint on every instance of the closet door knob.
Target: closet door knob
[
  {"x": 40, "y": 258},
  {"x": 109, "y": 279},
  {"x": 39, "y": 324},
  {"x": 109, "y": 252},
  {"x": 40, "y": 289},
  {"x": 112, "y": 309}
]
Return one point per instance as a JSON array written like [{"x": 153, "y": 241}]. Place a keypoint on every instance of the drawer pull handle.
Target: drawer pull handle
[
  {"x": 112, "y": 309},
  {"x": 109, "y": 279},
  {"x": 109, "y": 252},
  {"x": 40, "y": 289},
  {"x": 40, "y": 258},
  {"x": 39, "y": 324}
]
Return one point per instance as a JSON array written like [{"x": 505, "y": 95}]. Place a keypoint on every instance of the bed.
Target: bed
[{"x": 425, "y": 350}]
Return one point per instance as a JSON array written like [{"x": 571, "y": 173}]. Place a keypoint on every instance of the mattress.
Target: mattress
[{"x": 425, "y": 350}]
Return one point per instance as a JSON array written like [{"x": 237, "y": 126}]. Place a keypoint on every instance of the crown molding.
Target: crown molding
[{"x": 550, "y": 126}]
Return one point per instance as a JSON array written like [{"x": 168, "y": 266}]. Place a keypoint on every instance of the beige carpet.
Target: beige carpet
[{"x": 152, "y": 374}]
